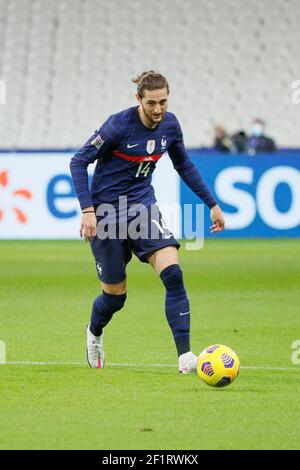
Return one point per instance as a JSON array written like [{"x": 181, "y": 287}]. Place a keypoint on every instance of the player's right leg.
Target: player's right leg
[
  {"x": 111, "y": 257},
  {"x": 105, "y": 305}
]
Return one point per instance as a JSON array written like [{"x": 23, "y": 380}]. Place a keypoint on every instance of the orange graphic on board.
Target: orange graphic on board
[{"x": 17, "y": 193}]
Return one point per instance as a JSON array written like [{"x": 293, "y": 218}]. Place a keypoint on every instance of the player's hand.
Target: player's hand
[
  {"x": 88, "y": 226},
  {"x": 217, "y": 219}
]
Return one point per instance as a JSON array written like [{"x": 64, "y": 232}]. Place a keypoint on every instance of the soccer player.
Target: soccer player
[{"x": 127, "y": 147}]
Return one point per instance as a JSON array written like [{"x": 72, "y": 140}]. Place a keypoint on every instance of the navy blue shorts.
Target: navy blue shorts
[{"x": 112, "y": 254}]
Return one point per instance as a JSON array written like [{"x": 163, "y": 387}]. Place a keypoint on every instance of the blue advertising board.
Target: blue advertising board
[{"x": 260, "y": 195}]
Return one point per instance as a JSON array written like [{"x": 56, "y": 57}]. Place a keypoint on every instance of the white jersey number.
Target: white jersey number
[{"x": 143, "y": 169}]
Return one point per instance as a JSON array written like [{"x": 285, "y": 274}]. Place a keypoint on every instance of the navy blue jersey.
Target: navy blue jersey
[{"x": 127, "y": 152}]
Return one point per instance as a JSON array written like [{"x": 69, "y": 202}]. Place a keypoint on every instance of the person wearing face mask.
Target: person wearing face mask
[{"x": 258, "y": 141}]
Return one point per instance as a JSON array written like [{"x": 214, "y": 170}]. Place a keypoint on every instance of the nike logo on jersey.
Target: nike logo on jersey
[
  {"x": 131, "y": 146},
  {"x": 185, "y": 313}
]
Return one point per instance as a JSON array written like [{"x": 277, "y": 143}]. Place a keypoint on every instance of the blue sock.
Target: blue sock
[
  {"x": 103, "y": 309},
  {"x": 177, "y": 307}
]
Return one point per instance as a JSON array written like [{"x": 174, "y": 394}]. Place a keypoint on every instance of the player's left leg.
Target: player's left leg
[{"x": 165, "y": 262}]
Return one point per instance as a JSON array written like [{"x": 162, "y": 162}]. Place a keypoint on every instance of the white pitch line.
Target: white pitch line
[
  {"x": 83, "y": 364},
  {"x": 271, "y": 368},
  {"x": 117, "y": 364}
]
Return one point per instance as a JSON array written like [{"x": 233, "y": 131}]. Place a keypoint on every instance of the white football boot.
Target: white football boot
[
  {"x": 188, "y": 363},
  {"x": 94, "y": 349}
]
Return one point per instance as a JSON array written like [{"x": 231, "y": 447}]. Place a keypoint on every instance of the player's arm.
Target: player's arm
[
  {"x": 191, "y": 176},
  {"x": 96, "y": 147}
]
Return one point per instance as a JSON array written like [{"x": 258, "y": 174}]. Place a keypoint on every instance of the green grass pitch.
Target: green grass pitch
[{"x": 244, "y": 294}]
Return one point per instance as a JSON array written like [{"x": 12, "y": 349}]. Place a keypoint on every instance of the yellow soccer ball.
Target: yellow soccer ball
[{"x": 218, "y": 365}]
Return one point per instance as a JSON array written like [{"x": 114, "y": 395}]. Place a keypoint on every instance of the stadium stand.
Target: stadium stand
[{"x": 67, "y": 65}]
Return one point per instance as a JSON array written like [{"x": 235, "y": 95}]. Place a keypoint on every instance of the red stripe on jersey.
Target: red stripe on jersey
[{"x": 141, "y": 158}]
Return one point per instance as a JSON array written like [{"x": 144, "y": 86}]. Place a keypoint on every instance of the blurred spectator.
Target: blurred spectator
[
  {"x": 234, "y": 144},
  {"x": 258, "y": 141},
  {"x": 222, "y": 142},
  {"x": 239, "y": 140}
]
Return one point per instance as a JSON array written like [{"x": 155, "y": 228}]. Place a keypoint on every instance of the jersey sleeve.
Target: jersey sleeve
[
  {"x": 100, "y": 144},
  {"x": 187, "y": 170}
]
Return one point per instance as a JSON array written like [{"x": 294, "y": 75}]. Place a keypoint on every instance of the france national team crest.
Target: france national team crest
[
  {"x": 99, "y": 268},
  {"x": 163, "y": 143},
  {"x": 150, "y": 146}
]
